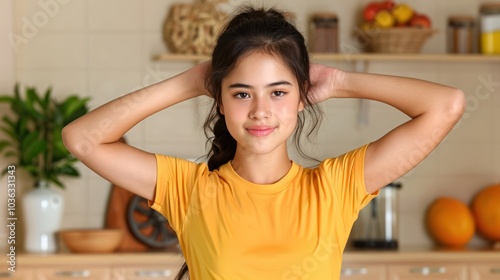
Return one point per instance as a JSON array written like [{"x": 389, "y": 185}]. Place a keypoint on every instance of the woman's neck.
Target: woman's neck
[{"x": 262, "y": 169}]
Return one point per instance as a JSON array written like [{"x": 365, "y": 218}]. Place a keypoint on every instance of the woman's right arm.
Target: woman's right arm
[{"x": 95, "y": 137}]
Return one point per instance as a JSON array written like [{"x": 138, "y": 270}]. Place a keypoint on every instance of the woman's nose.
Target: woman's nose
[{"x": 261, "y": 108}]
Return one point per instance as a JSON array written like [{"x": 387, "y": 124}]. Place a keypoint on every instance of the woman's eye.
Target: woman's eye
[
  {"x": 278, "y": 93},
  {"x": 242, "y": 95}
]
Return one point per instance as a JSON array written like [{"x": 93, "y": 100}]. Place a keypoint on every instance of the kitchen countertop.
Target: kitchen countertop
[
  {"x": 422, "y": 254},
  {"x": 366, "y": 256}
]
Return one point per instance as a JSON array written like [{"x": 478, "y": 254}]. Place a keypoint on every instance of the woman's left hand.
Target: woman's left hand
[{"x": 324, "y": 82}]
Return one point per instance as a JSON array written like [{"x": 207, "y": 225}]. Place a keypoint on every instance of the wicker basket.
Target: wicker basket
[
  {"x": 398, "y": 40},
  {"x": 192, "y": 28}
]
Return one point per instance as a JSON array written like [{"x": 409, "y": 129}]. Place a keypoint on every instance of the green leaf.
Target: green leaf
[
  {"x": 29, "y": 139},
  {"x": 6, "y": 99},
  {"x": 16, "y": 91},
  {"x": 25, "y": 109},
  {"x": 22, "y": 127},
  {"x": 46, "y": 99},
  {"x": 33, "y": 170},
  {"x": 56, "y": 181},
  {"x": 4, "y": 144},
  {"x": 68, "y": 170},
  {"x": 10, "y": 132},
  {"x": 10, "y": 154},
  {"x": 32, "y": 151},
  {"x": 9, "y": 121},
  {"x": 72, "y": 106},
  {"x": 32, "y": 97}
]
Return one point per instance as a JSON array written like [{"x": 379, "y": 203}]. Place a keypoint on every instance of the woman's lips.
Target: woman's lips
[{"x": 260, "y": 130}]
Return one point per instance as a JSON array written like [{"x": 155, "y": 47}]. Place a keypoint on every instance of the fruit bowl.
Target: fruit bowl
[
  {"x": 391, "y": 27},
  {"x": 91, "y": 240}
]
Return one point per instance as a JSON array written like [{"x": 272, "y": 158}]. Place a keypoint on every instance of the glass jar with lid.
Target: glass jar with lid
[
  {"x": 490, "y": 28},
  {"x": 323, "y": 33},
  {"x": 461, "y": 34}
]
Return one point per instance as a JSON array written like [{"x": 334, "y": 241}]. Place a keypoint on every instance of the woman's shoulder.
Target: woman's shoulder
[
  {"x": 178, "y": 164},
  {"x": 350, "y": 156}
]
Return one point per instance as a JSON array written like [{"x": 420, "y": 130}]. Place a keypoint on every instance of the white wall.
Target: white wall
[
  {"x": 103, "y": 49},
  {"x": 7, "y": 80}
]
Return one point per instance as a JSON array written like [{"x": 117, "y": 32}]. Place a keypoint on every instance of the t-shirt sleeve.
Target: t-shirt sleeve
[
  {"x": 346, "y": 176},
  {"x": 175, "y": 180}
]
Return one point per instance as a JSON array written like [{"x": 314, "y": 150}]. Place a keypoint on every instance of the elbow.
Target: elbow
[
  {"x": 67, "y": 138},
  {"x": 73, "y": 141},
  {"x": 457, "y": 104}
]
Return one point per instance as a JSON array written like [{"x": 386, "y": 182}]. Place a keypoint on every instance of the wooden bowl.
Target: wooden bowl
[{"x": 92, "y": 240}]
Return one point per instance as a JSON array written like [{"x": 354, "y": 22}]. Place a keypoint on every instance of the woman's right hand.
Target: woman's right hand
[{"x": 324, "y": 82}]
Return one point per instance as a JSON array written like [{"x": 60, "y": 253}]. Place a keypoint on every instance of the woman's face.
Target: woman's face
[{"x": 260, "y": 102}]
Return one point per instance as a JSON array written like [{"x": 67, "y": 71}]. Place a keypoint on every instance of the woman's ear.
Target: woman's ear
[
  {"x": 301, "y": 106},
  {"x": 221, "y": 109}
]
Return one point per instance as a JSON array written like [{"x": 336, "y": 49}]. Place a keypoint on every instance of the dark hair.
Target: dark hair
[{"x": 254, "y": 29}]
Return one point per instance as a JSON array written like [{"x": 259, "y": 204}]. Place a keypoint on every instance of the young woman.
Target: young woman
[{"x": 251, "y": 212}]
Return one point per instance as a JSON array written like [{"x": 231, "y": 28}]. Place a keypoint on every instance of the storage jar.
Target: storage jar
[
  {"x": 490, "y": 28},
  {"x": 324, "y": 33},
  {"x": 461, "y": 34}
]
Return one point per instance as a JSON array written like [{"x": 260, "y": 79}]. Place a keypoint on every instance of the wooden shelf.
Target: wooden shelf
[{"x": 367, "y": 57}]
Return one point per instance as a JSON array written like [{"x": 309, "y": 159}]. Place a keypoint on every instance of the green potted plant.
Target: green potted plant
[{"x": 33, "y": 139}]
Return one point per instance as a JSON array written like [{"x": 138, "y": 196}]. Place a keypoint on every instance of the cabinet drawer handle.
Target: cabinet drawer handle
[
  {"x": 153, "y": 273},
  {"x": 495, "y": 270},
  {"x": 81, "y": 273},
  {"x": 428, "y": 270},
  {"x": 354, "y": 271}
]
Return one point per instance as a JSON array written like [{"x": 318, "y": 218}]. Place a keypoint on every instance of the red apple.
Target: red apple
[
  {"x": 387, "y": 5},
  {"x": 420, "y": 20},
  {"x": 371, "y": 10}
]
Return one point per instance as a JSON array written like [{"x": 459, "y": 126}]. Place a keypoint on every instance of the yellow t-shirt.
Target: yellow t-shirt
[{"x": 229, "y": 228}]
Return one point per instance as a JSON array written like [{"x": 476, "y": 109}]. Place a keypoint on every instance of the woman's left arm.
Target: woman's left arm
[{"x": 433, "y": 108}]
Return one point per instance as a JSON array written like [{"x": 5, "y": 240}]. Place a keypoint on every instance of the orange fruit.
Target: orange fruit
[
  {"x": 486, "y": 210},
  {"x": 450, "y": 222}
]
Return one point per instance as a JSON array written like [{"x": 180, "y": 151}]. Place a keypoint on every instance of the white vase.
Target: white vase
[{"x": 43, "y": 210}]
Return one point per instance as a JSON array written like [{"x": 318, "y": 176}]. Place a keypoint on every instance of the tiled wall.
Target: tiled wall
[{"x": 104, "y": 49}]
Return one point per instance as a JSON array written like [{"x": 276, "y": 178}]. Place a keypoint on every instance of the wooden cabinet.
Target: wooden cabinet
[
  {"x": 421, "y": 265},
  {"x": 119, "y": 266},
  {"x": 485, "y": 271},
  {"x": 428, "y": 271},
  {"x": 18, "y": 275},
  {"x": 357, "y": 265},
  {"x": 147, "y": 272},
  {"x": 72, "y": 272},
  {"x": 363, "y": 272}
]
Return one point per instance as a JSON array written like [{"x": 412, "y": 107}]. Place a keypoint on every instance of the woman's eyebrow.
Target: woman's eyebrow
[{"x": 241, "y": 85}]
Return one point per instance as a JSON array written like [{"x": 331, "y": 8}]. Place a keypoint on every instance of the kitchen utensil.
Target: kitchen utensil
[
  {"x": 116, "y": 218},
  {"x": 149, "y": 226},
  {"x": 377, "y": 226}
]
